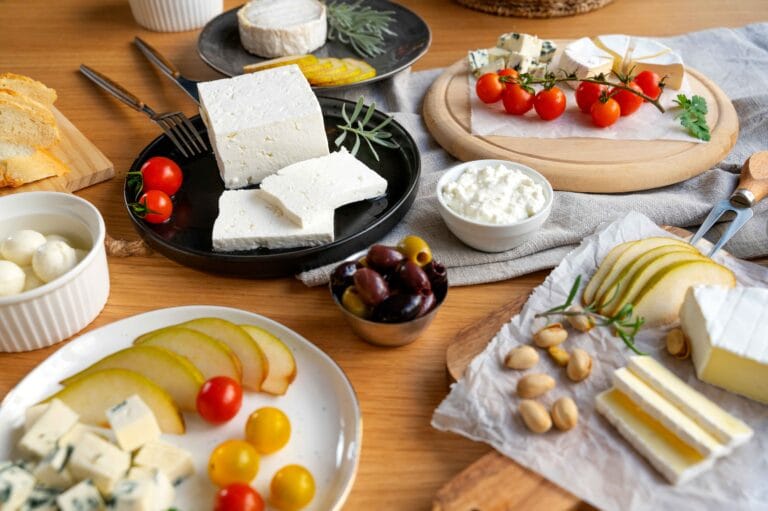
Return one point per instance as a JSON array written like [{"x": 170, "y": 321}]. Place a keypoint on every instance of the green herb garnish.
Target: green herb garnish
[
  {"x": 694, "y": 116},
  {"x": 375, "y": 135},
  {"x": 359, "y": 26}
]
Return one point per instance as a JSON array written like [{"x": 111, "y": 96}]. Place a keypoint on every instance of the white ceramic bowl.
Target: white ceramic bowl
[
  {"x": 175, "y": 15},
  {"x": 59, "y": 309},
  {"x": 488, "y": 237}
]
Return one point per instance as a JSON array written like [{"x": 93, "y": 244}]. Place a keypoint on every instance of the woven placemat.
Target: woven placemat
[{"x": 535, "y": 8}]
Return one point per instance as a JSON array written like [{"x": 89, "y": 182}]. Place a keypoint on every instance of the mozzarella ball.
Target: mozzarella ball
[
  {"x": 56, "y": 237},
  {"x": 53, "y": 259},
  {"x": 19, "y": 246},
  {"x": 32, "y": 281},
  {"x": 11, "y": 278}
]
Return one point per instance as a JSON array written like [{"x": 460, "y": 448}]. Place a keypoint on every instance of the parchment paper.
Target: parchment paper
[{"x": 593, "y": 461}]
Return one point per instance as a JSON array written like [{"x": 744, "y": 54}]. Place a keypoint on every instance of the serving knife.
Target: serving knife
[
  {"x": 753, "y": 187},
  {"x": 165, "y": 65}
]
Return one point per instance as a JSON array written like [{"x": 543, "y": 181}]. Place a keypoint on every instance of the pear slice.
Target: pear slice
[
  {"x": 605, "y": 266},
  {"x": 614, "y": 288},
  {"x": 282, "y": 365},
  {"x": 244, "y": 347},
  {"x": 637, "y": 249},
  {"x": 95, "y": 393},
  {"x": 174, "y": 373},
  {"x": 211, "y": 357},
  {"x": 660, "y": 300},
  {"x": 634, "y": 285}
]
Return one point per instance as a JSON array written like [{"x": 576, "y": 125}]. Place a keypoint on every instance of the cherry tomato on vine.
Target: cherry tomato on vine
[
  {"x": 605, "y": 112},
  {"x": 586, "y": 95},
  {"x": 238, "y": 497},
  {"x": 234, "y": 461},
  {"x": 549, "y": 103},
  {"x": 160, "y": 173},
  {"x": 517, "y": 100},
  {"x": 489, "y": 88},
  {"x": 649, "y": 82},
  {"x": 219, "y": 399},
  {"x": 628, "y": 102},
  {"x": 510, "y": 74},
  {"x": 154, "y": 206}
]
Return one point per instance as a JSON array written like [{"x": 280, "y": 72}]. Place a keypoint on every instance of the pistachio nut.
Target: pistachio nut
[
  {"x": 565, "y": 414},
  {"x": 534, "y": 385},
  {"x": 579, "y": 366},
  {"x": 535, "y": 416},
  {"x": 580, "y": 322},
  {"x": 551, "y": 335},
  {"x": 559, "y": 355},
  {"x": 678, "y": 344},
  {"x": 522, "y": 357}
]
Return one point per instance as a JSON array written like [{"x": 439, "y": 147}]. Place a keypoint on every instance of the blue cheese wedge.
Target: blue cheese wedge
[
  {"x": 16, "y": 485},
  {"x": 261, "y": 122},
  {"x": 247, "y": 221},
  {"x": 524, "y": 44},
  {"x": 84, "y": 496},
  {"x": 133, "y": 423},
  {"x": 548, "y": 49},
  {"x": 100, "y": 461},
  {"x": 42, "y": 436},
  {"x": 52, "y": 470},
  {"x": 477, "y": 60},
  {"x": 491, "y": 61},
  {"x": 175, "y": 463}
]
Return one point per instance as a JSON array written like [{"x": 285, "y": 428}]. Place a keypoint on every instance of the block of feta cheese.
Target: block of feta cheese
[
  {"x": 306, "y": 190},
  {"x": 261, "y": 122},
  {"x": 100, "y": 461},
  {"x": 52, "y": 471},
  {"x": 133, "y": 423},
  {"x": 42, "y": 436},
  {"x": 246, "y": 222},
  {"x": 174, "y": 462},
  {"x": 727, "y": 331},
  {"x": 82, "y": 497},
  {"x": 278, "y": 28},
  {"x": 16, "y": 485}
]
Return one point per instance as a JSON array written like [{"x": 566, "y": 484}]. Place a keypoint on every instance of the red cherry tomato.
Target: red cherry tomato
[
  {"x": 160, "y": 173},
  {"x": 628, "y": 102},
  {"x": 510, "y": 74},
  {"x": 154, "y": 206},
  {"x": 517, "y": 100},
  {"x": 238, "y": 497},
  {"x": 587, "y": 93},
  {"x": 605, "y": 113},
  {"x": 489, "y": 88},
  {"x": 649, "y": 82},
  {"x": 549, "y": 103},
  {"x": 219, "y": 399}
]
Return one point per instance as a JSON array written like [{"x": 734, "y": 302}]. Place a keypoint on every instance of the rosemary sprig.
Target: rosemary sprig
[
  {"x": 359, "y": 26},
  {"x": 624, "y": 326},
  {"x": 358, "y": 127}
]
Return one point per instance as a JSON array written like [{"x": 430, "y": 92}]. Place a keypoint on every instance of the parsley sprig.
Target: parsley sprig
[
  {"x": 358, "y": 127},
  {"x": 694, "y": 116}
]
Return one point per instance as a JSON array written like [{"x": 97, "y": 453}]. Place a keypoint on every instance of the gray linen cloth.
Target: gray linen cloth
[{"x": 735, "y": 59}]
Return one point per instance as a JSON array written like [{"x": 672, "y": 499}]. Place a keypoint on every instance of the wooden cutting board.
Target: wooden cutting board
[
  {"x": 86, "y": 162},
  {"x": 583, "y": 164}
]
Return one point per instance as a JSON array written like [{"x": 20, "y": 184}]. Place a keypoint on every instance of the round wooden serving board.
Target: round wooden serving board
[{"x": 583, "y": 164}]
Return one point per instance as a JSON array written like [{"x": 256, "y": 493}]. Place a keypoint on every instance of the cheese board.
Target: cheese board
[{"x": 594, "y": 165}]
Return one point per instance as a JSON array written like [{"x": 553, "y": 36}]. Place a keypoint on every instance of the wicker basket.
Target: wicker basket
[{"x": 535, "y": 8}]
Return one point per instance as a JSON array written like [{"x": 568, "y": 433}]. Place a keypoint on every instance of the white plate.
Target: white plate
[{"x": 325, "y": 416}]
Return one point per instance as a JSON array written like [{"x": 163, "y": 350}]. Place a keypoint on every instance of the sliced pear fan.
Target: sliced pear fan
[{"x": 282, "y": 365}]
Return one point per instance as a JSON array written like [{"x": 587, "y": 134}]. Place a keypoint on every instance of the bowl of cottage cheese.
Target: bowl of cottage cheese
[{"x": 494, "y": 205}]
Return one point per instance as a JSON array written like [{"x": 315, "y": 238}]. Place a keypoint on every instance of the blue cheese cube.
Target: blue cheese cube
[
  {"x": 76, "y": 433},
  {"x": 133, "y": 423},
  {"x": 16, "y": 485},
  {"x": 42, "y": 499},
  {"x": 82, "y": 497},
  {"x": 33, "y": 413},
  {"x": 43, "y": 435},
  {"x": 143, "y": 490},
  {"x": 172, "y": 461},
  {"x": 477, "y": 59},
  {"x": 100, "y": 461},
  {"x": 548, "y": 49},
  {"x": 524, "y": 44},
  {"x": 52, "y": 471},
  {"x": 519, "y": 62}
]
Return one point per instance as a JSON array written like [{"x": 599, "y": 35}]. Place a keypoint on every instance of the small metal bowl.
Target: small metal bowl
[{"x": 387, "y": 334}]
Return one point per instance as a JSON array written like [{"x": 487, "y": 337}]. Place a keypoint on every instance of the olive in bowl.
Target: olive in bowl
[{"x": 389, "y": 295}]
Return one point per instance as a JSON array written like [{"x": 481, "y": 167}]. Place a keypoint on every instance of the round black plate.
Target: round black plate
[
  {"x": 219, "y": 44},
  {"x": 186, "y": 237}
]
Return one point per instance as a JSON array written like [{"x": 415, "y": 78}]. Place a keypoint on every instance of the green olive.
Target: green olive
[
  {"x": 415, "y": 249},
  {"x": 353, "y": 303}
]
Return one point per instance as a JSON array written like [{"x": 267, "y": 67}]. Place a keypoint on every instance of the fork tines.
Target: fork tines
[{"x": 182, "y": 133}]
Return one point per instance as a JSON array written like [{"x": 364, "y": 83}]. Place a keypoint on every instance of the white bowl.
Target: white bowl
[
  {"x": 488, "y": 237},
  {"x": 59, "y": 309},
  {"x": 175, "y": 15}
]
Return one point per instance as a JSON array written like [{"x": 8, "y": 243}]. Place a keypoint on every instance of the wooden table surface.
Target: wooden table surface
[{"x": 404, "y": 461}]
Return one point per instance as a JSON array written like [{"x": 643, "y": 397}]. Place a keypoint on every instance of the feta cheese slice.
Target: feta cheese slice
[
  {"x": 16, "y": 485},
  {"x": 261, "y": 122},
  {"x": 82, "y": 497},
  {"x": 100, "y": 461},
  {"x": 246, "y": 222},
  {"x": 42, "y": 436},
  {"x": 52, "y": 471},
  {"x": 308, "y": 189},
  {"x": 134, "y": 423},
  {"x": 172, "y": 461}
]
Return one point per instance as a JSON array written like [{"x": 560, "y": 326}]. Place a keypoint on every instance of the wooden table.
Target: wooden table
[{"x": 404, "y": 461}]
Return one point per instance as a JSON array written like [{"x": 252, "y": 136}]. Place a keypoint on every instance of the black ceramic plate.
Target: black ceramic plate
[
  {"x": 219, "y": 44},
  {"x": 186, "y": 237}
]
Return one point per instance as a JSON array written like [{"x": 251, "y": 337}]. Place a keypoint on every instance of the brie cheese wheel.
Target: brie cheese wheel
[
  {"x": 584, "y": 59},
  {"x": 278, "y": 28}
]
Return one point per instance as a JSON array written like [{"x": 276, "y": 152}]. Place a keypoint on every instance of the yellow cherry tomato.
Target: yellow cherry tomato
[
  {"x": 292, "y": 488},
  {"x": 233, "y": 461},
  {"x": 268, "y": 430},
  {"x": 415, "y": 249}
]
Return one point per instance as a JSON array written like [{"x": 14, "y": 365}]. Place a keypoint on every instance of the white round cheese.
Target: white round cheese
[
  {"x": 11, "y": 278},
  {"x": 19, "y": 246},
  {"x": 278, "y": 28},
  {"x": 53, "y": 259}
]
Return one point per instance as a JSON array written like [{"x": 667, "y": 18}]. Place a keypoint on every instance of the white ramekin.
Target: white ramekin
[
  {"x": 59, "y": 309},
  {"x": 175, "y": 15},
  {"x": 492, "y": 237}
]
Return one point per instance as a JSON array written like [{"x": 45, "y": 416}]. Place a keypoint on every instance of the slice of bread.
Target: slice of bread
[
  {"x": 21, "y": 170},
  {"x": 24, "y": 121},
  {"x": 8, "y": 150},
  {"x": 29, "y": 87}
]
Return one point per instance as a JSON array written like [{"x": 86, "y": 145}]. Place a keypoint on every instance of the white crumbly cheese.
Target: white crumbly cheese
[
  {"x": 494, "y": 195},
  {"x": 172, "y": 461},
  {"x": 307, "y": 190},
  {"x": 727, "y": 330},
  {"x": 524, "y": 44},
  {"x": 585, "y": 59},
  {"x": 134, "y": 423},
  {"x": 246, "y": 222},
  {"x": 82, "y": 497},
  {"x": 100, "y": 461},
  {"x": 16, "y": 485},
  {"x": 21, "y": 245},
  {"x": 261, "y": 122},
  {"x": 54, "y": 422},
  {"x": 52, "y": 471},
  {"x": 279, "y": 28},
  {"x": 12, "y": 278}
]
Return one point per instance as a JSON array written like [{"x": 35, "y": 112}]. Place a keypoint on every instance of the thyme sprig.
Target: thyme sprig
[
  {"x": 358, "y": 127},
  {"x": 624, "y": 325},
  {"x": 359, "y": 26}
]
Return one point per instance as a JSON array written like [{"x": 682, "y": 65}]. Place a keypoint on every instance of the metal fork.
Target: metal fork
[
  {"x": 168, "y": 69},
  {"x": 175, "y": 125}
]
